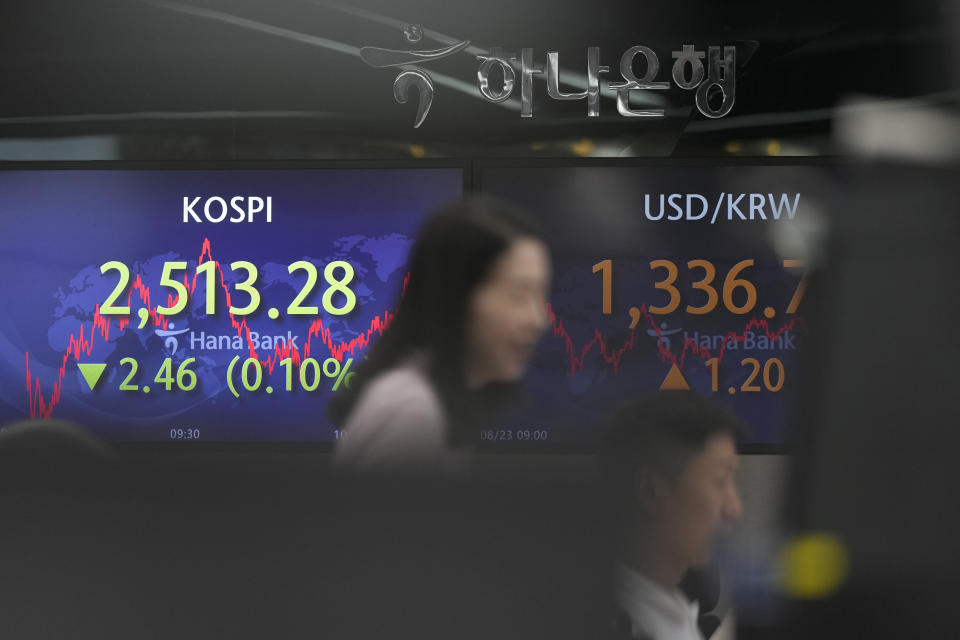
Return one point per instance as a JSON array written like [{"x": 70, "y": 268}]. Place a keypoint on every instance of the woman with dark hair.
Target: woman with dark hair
[{"x": 465, "y": 329}]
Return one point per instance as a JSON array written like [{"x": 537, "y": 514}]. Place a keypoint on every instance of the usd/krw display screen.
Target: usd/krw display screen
[{"x": 665, "y": 276}]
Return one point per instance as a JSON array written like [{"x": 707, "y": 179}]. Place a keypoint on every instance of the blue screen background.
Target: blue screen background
[{"x": 60, "y": 226}]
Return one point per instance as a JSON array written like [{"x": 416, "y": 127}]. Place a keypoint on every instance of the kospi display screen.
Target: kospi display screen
[
  {"x": 666, "y": 275},
  {"x": 211, "y": 305}
]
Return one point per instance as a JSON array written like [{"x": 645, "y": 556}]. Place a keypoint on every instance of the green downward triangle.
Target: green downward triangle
[{"x": 91, "y": 372}]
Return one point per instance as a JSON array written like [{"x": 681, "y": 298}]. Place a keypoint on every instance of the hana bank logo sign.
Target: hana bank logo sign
[
  {"x": 170, "y": 342},
  {"x": 213, "y": 342},
  {"x": 749, "y": 341},
  {"x": 714, "y": 83},
  {"x": 709, "y": 71},
  {"x": 663, "y": 334}
]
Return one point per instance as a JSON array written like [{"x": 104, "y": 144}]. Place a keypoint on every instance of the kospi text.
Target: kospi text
[{"x": 215, "y": 208}]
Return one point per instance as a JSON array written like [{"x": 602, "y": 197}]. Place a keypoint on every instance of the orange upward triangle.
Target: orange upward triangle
[{"x": 674, "y": 380}]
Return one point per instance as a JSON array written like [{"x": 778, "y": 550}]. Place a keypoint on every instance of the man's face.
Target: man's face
[{"x": 701, "y": 502}]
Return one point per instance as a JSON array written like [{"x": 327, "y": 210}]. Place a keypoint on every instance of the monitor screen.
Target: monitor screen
[
  {"x": 666, "y": 275},
  {"x": 200, "y": 305}
]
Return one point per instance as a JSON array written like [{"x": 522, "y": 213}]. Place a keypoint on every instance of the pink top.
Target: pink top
[{"x": 398, "y": 425}]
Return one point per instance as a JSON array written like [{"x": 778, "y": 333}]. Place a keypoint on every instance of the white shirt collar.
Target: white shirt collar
[{"x": 655, "y": 612}]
